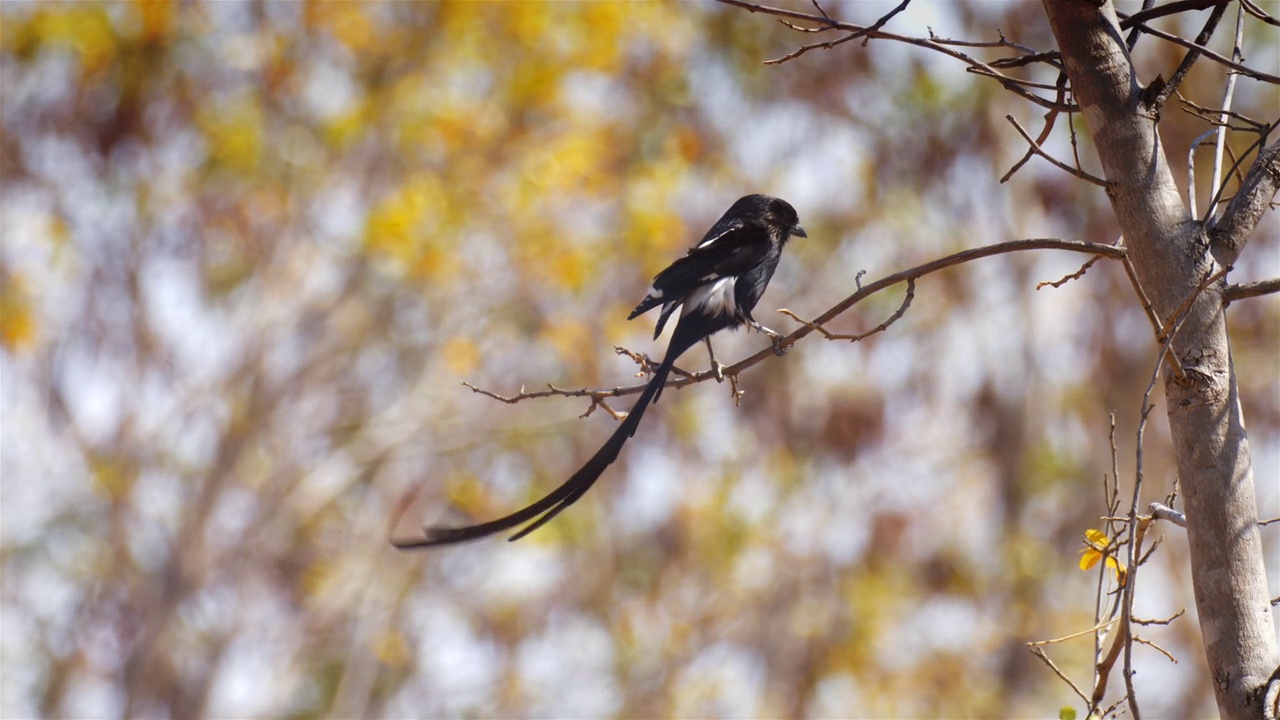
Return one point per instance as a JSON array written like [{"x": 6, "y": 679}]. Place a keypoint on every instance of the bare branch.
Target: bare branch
[
  {"x": 1050, "y": 119},
  {"x": 902, "y": 309},
  {"x": 1164, "y": 512},
  {"x": 1252, "y": 200},
  {"x": 1064, "y": 638},
  {"x": 908, "y": 276},
  {"x": 1131, "y": 41},
  {"x": 1057, "y": 163},
  {"x": 1186, "y": 304},
  {"x": 1165, "y": 621},
  {"x": 1051, "y": 58},
  {"x": 1151, "y": 13},
  {"x": 1150, "y": 644},
  {"x": 1068, "y": 278},
  {"x": 851, "y": 36},
  {"x": 1102, "y": 670},
  {"x": 1039, "y": 652},
  {"x": 1206, "y": 52},
  {"x": 1150, "y": 310},
  {"x": 1228, "y": 96},
  {"x": 826, "y": 22},
  {"x": 1190, "y": 58},
  {"x": 1003, "y": 42},
  {"x": 1251, "y": 290},
  {"x": 1201, "y": 139},
  {"x": 1212, "y": 115},
  {"x": 1251, "y": 8}
]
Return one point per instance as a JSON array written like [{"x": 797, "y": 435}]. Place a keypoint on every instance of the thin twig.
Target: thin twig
[
  {"x": 1052, "y": 58},
  {"x": 1184, "y": 67},
  {"x": 1151, "y": 13},
  {"x": 1068, "y": 278},
  {"x": 1228, "y": 96},
  {"x": 1262, "y": 158},
  {"x": 1257, "y": 12},
  {"x": 1057, "y": 163},
  {"x": 1111, "y": 493},
  {"x": 902, "y": 309},
  {"x": 826, "y": 22},
  {"x": 1151, "y": 644},
  {"x": 1072, "y": 636},
  {"x": 1150, "y": 310},
  {"x": 1209, "y": 115},
  {"x": 1050, "y": 119},
  {"x": 1201, "y": 139},
  {"x": 1132, "y": 41},
  {"x": 1165, "y": 621},
  {"x": 1003, "y": 42},
  {"x": 1102, "y": 670},
  {"x": 1191, "y": 298},
  {"x": 1041, "y": 654},
  {"x": 1206, "y": 52},
  {"x": 865, "y": 33}
]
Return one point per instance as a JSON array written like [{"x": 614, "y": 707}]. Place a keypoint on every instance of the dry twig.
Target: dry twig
[{"x": 1035, "y": 147}]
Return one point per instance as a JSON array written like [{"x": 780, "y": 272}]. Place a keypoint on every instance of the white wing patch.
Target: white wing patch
[
  {"x": 711, "y": 240},
  {"x": 716, "y": 298}
]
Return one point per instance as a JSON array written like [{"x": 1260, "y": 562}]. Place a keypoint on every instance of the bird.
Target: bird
[{"x": 715, "y": 285}]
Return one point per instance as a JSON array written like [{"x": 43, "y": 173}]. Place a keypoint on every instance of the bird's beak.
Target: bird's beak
[{"x": 799, "y": 231}]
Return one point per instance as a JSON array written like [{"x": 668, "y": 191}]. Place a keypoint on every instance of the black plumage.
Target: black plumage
[{"x": 717, "y": 285}]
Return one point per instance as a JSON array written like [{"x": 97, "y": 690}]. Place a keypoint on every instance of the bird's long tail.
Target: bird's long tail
[{"x": 542, "y": 511}]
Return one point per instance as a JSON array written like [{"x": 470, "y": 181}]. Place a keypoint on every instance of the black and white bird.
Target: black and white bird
[{"x": 716, "y": 286}]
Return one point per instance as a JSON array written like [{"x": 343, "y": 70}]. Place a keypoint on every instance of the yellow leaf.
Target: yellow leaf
[
  {"x": 1096, "y": 538},
  {"x": 1097, "y": 543},
  {"x": 1088, "y": 558}
]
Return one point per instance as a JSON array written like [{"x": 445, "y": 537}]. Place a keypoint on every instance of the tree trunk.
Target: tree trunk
[{"x": 1171, "y": 255}]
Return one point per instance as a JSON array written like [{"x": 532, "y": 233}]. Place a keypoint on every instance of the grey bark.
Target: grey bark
[{"x": 1172, "y": 258}]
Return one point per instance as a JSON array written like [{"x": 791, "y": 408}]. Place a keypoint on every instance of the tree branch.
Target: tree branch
[
  {"x": 1250, "y": 290},
  {"x": 1232, "y": 231},
  {"x": 1189, "y": 59},
  {"x": 1129, "y": 21},
  {"x": 826, "y": 22},
  {"x": 895, "y": 317},
  {"x": 1035, "y": 147},
  {"x": 907, "y": 276},
  {"x": 828, "y": 45},
  {"x": 1201, "y": 49}
]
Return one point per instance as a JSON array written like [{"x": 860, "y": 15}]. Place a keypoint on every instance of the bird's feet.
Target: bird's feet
[
  {"x": 717, "y": 369},
  {"x": 775, "y": 338}
]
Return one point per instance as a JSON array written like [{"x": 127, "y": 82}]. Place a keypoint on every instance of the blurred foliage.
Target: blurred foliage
[{"x": 251, "y": 250}]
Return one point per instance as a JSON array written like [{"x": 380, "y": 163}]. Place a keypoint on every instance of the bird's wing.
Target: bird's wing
[{"x": 731, "y": 253}]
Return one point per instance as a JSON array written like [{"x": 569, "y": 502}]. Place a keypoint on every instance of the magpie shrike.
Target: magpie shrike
[{"x": 716, "y": 285}]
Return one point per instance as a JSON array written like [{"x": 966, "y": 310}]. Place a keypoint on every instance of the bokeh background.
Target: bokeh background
[{"x": 252, "y": 250}]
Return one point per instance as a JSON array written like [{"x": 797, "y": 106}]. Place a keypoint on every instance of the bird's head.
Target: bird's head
[{"x": 774, "y": 212}]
